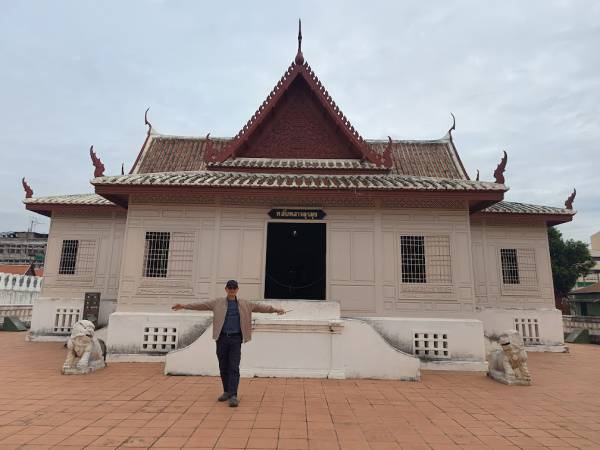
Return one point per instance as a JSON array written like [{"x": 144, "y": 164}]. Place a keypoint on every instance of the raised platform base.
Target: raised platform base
[{"x": 303, "y": 348}]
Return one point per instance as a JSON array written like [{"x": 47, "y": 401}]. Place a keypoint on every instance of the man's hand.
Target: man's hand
[
  {"x": 177, "y": 307},
  {"x": 280, "y": 311}
]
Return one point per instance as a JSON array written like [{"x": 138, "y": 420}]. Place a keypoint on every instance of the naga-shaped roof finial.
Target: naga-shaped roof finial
[
  {"x": 499, "y": 172},
  {"x": 146, "y": 122},
  {"x": 299, "y": 56},
  {"x": 477, "y": 179},
  {"x": 98, "y": 166},
  {"x": 386, "y": 158},
  {"x": 569, "y": 201},
  {"x": 453, "y": 127},
  {"x": 27, "y": 188},
  {"x": 122, "y": 168}
]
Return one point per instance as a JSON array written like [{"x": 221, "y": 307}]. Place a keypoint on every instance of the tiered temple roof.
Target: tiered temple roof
[{"x": 298, "y": 140}]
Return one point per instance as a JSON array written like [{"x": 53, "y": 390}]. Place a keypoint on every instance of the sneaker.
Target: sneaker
[
  {"x": 224, "y": 396},
  {"x": 233, "y": 401}
]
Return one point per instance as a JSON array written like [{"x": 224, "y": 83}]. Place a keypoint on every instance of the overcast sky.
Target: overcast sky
[{"x": 519, "y": 76}]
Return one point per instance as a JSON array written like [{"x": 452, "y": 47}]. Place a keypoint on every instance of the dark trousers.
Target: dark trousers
[{"x": 229, "y": 352}]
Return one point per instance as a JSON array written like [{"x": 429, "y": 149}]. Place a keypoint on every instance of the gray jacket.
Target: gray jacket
[{"x": 219, "y": 309}]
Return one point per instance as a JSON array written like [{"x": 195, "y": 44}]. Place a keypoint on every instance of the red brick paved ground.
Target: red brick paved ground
[{"x": 135, "y": 406}]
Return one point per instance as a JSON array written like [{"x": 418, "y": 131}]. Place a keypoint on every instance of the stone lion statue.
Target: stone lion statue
[
  {"x": 508, "y": 364},
  {"x": 85, "y": 352}
]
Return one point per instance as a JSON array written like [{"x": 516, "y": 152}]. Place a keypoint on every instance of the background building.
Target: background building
[
  {"x": 23, "y": 247},
  {"x": 593, "y": 277}
]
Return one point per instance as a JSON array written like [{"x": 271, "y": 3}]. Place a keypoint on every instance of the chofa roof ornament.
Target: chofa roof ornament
[
  {"x": 146, "y": 121},
  {"x": 477, "y": 179},
  {"x": 569, "y": 201},
  {"x": 27, "y": 188},
  {"x": 453, "y": 127},
  {"x": 98, "y": 166},
  {"x": 499, "y": 172}
]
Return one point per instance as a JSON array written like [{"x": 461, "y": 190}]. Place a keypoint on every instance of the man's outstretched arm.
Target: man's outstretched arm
[
  {"x": 200, "y": 306},
  {"x": 262, "y": 308}
]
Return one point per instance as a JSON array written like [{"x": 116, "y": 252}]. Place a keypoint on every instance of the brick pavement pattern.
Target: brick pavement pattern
[{"x": 136, "y": 406}]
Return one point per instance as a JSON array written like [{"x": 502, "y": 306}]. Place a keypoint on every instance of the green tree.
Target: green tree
[{"x": 570, "y": 259}]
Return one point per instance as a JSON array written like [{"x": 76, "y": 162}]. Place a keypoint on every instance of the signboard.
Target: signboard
[
  {"x": 297, "y": 214},
  {"x": 91, "y": 307}
]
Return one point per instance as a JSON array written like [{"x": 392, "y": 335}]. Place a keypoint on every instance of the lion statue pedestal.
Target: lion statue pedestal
[
  {"x": 85, "y": 351},
  {"x": 508, "y": 364}
]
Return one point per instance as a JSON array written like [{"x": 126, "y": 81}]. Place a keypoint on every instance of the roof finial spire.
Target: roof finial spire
[
  {"x": 299, "y": 56},
  {"x": 570, "y": 199},
  {"x": 147, "y": 122}
]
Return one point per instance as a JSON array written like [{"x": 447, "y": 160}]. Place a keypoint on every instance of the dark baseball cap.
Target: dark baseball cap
[{"x": 232, "y": 284}]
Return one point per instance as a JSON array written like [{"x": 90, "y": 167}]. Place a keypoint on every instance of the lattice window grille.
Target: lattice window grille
[
  {"x": 68, "y": 257},
  {"x": 181, "y": 255},
  {"x": 156, "y": 254},
  {"x": 159, "y": 339},
  {"x": 518, "y": 266},
  {"x": 426, "y": 259},
  {"x": 529, "y": 329},
  {"x": 64, "y": 319},
  {"x": 77, "y": 257},
  {"x": 431, "y": 345},
  {"x": 168, "y": 254},
  {"x": 437, "y": 259}
]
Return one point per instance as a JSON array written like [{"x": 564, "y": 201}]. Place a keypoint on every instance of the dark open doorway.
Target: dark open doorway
[{"x": 295, "y": 261}]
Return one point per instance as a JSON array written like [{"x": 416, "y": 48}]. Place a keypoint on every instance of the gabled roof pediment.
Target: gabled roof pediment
[{"x": 300, "y": 120}]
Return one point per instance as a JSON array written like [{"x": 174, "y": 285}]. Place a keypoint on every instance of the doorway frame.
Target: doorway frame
[{"x": 264, "y": 264}]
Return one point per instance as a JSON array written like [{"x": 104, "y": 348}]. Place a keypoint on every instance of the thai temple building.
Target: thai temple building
[{"x": 387, "y": 254}]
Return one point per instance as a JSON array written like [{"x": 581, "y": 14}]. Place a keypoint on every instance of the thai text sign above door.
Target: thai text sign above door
[{"x": 298, "y": 214}]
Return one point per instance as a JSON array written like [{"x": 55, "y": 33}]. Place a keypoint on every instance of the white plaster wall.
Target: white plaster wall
[
  {"x": 498, "y": 305},
  {"x": 363, "y": 267},
  {"x": 465, "y": 338},
  {"x": 367, "y": 355},
  {"x": 126, "y": 331},
  {"x": 496, "y": 320},
  {"x": 44, "y": 315},
  {"x": 279, "y": 347},
  {"x": 107, "y": 307},
  {"x": 107, "y": 231},
  {"x": 308, "y": 348},
  {"x": 488, "y": 237}
]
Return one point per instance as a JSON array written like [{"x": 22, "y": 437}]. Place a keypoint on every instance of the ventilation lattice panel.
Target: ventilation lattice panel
[
  {"x": 64, "y": 319},
  {"x": 431, "y": 345},
  {"x": 159, "y": 339},
  {"x": 529, "y": 329}
]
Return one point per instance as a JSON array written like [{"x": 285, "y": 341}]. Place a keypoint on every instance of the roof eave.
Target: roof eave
[
  {"x": 549, "y": 219},
  {"x": 119, "y": 193},
  {"x": 46, "y": 209}
]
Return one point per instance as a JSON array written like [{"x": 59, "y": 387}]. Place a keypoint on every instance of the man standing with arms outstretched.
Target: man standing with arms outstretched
[{"x": 232, "y": 325}]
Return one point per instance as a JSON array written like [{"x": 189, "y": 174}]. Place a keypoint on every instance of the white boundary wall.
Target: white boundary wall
[
  {"x": 19, "y": 289},
  {"x": 462, "y": 339},
  {"x": 549, "y": 335},
  {"x": 18, "y": 294}
]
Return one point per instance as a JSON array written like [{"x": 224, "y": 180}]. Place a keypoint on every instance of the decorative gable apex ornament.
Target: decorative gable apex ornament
[
  {"x": 27, "y": 188},
  {"x": 499, "y": 172},
  {"x": 98, "y": 166},
  {"x": 570, "y": 199}
]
